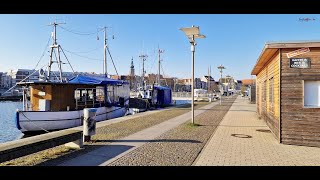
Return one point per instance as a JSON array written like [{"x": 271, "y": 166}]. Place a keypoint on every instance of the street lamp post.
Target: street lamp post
[
  {"x": 192, "y": 33},
  {"x": 221, "y": 68}
]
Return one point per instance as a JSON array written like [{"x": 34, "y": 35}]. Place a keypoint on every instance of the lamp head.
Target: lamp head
[
  {"x": 193, "y": 32},
  {"x": 190, "y": 31}
]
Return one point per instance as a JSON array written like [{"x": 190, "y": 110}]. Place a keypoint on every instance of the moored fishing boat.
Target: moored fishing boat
[{"x": 55, "y": 103}]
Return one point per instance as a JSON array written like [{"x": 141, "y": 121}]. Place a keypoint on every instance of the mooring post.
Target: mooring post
[{"x": 89, "y": 123}]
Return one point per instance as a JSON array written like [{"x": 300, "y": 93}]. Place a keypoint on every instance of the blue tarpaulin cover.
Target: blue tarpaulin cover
[
  {"x": 95, "y": 79},
  {"x": 164, "y": 95},
  {"x": 162, "y": 87}
]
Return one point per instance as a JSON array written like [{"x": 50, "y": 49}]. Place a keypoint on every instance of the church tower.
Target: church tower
[
  {"x": 132, "y": 68},
  {"x": 132, "y": 76}
]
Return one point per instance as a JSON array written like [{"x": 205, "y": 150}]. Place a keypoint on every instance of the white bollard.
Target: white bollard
[{"x": 89, "y": 123}]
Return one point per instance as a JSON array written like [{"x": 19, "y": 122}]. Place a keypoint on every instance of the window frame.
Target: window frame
[{"x": 303, "y": 97}]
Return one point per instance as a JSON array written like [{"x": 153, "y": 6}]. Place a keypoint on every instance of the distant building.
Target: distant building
[
  {"x": 209, "y": 83},
  {"x": 55, "y": 76},
  {"x": 164, "y": 81},
  {"x": 183, "y": 85},
  {"x": 120, "y": 77},
  {"x": 247, "y": 82},
  {"x": 206, "y": 79},
  {"x": 31, "y": 75},
  {"x": 10, "y": 78},
  {"x": 168, "y": 81},
  {"x": 152, "y": 78},
  {"x": 198, "y": 83},
  {"x": 1, "y": 79},
  {"x": 228, "y": 84},
  {"x": 239, "y": 85},
  {"x": 6, "y": 81}
]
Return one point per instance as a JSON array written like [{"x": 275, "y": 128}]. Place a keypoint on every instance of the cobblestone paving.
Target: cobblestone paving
[
  {"x": 179, "y": 146},
  {"x": 54, "y": 156},
  {"x": 244, "y": 140}
]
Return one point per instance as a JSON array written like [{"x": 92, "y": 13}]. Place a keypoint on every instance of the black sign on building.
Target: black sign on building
[{"x": 300, "y": 63}]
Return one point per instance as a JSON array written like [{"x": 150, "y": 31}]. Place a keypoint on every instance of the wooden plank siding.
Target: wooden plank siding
[
  {"x": 60, "y": 96},
  {"x": 270, "y": 74},
  {"x": 34, "y": 95},
  {"x": 299, "y": 125},
  {"x": 63, "y": 97}
]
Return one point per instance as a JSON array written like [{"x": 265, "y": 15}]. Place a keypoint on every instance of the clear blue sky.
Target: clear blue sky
[{"x": 232, "y": 40}]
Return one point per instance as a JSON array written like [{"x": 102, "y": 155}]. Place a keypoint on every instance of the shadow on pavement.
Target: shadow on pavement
[
  {"x": 97, "y": 155},
  {"x": 155, "y": 140}
]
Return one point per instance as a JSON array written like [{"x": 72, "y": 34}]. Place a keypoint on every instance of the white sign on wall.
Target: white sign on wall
[{"x": 300, "y": 63}]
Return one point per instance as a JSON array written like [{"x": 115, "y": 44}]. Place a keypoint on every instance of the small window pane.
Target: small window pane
[
  {"x": 311, "y": 93},
  {"x": 77, "y": 94}
]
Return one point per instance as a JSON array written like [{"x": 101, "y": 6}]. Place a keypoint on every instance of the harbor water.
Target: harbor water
[
  {"x": 8, "y": 129},
  {"x": 183, "y": 102}
]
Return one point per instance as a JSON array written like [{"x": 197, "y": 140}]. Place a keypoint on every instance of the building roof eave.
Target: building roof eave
[{"x": 271, "y": 47}]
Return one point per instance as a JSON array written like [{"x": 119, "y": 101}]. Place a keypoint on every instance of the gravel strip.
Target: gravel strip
[
  {"x": 57, "y": 155},
  {"x": 179, "y": 146}
]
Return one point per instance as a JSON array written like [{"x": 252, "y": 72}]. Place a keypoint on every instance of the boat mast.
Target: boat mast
[
  {"x": 159, "y": 61},
  {"x": 105, "y": 52},
  {"x": 143, "y": 57},
  {"x": 53, "y": 47}
]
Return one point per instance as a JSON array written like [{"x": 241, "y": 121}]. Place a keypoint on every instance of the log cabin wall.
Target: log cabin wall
[
  {"x": 299, "y": 125},
  {"x": 268, "y": 100},
  {"x": 63, "y": 96}
]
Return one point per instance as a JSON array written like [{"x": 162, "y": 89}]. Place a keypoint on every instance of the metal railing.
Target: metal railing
[
  {"x": 188, "y": 94},
  {"x": 181, "y": 94}
]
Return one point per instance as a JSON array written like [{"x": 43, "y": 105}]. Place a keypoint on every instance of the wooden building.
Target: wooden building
[{"x": 288, "y": 91}]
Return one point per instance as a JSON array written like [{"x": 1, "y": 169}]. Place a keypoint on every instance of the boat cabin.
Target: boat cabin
[{"x": 79, "y": 93}]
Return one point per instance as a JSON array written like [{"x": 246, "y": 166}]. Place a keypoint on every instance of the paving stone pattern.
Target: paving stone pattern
[
  {"x": 179, "y": 146},
  {"x": 242, "y": 139}
]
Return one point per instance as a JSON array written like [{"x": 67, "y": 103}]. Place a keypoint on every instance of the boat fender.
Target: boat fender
[{"x": 17, "y": 119}]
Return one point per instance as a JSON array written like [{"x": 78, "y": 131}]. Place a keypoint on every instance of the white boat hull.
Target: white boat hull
[{"x": 30, "y": 121}]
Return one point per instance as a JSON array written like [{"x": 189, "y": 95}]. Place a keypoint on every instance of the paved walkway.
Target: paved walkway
[
  {"x": 109, "y": 153},
  {"x": 244, "y": 140}
]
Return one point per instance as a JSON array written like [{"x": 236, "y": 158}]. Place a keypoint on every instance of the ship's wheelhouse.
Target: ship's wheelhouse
[{"x": 74, "y": 95}]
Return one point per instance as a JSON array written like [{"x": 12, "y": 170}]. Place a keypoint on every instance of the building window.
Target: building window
[
  {"x": 271, "y": 93},
  {"x": 311, "y": 94}
]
